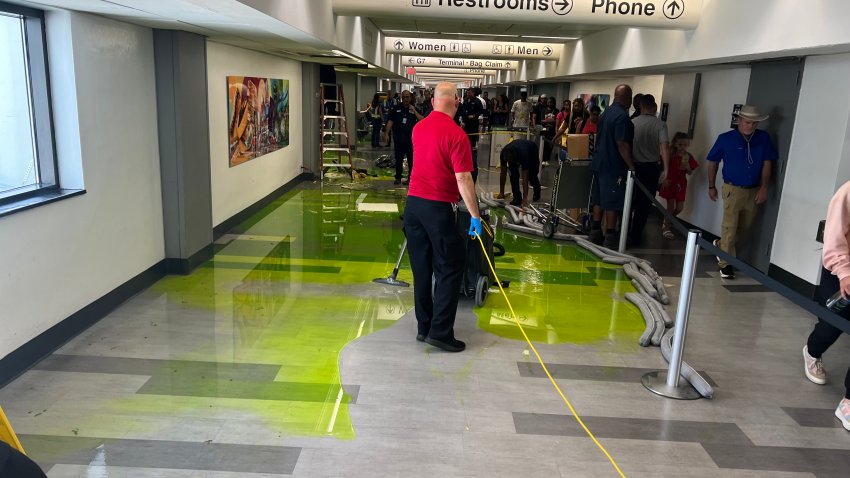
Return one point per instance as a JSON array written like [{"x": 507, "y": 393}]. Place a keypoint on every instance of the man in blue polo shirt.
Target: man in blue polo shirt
[
  {"x": 611, "y": 161},
  {"x": 747, "y": 154}
]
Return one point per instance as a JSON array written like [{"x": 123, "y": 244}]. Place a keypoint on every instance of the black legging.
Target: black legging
[
  {"x": 376, "y": 131},
  {"x": 547, "y": 144},
  {"x": 824, "y": 334},
  {"x": 473, "y": 142}
]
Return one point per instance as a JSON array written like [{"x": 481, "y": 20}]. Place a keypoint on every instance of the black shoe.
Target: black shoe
[
  {"x": 727, "y": 272},
  {"x": 536, "y": 197},
  {"x": 611, "y": 241},
  {"x": 397, "y": 181},
  {"x": 454, "y": 345},
  {"x": 596, "y": 236},
  {"x": 516, "y": 202},
  {"x": 420, "y": 337}
]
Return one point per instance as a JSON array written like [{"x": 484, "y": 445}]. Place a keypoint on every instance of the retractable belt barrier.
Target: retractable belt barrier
[{"x": 807, "y": 304}]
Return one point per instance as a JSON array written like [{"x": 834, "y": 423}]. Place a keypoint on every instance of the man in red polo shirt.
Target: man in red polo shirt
[{"x": 443, "y": 171}]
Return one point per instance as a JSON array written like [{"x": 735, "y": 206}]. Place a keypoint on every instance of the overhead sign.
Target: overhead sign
[
  {"x": 677, "y": 14},
  {"x": 448, "y": 75},
  {"x": 487, "y": 64},
  {"x": 505, "y": 50},
  {"x": 468, "y": 71}
]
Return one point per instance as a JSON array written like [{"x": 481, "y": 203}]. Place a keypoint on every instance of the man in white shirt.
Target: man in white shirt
[{"x": 521, "y": 112}]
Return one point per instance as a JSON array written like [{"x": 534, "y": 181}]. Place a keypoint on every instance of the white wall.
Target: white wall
[
  {"x": 652, "y": 84},
  {"x": 729, "y": 30},
  {"x": 819, "y": 145},
  {"x": 234, "y": 189},
  {"x": 60, "y": 257},
  {"x": 719, "y": 91},
  {"x": 678, "y": 92}
]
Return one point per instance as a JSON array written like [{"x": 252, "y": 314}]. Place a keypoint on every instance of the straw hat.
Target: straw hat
[{"x": 752, "y": 113}]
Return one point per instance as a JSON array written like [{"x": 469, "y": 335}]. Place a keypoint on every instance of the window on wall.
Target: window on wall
[{"x": 27, "y": 159}]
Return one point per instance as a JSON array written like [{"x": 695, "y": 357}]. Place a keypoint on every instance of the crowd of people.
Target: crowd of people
[{"x": 638, "y": 142}]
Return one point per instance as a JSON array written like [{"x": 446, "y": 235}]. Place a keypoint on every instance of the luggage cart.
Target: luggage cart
[{"x": 570, "y": 190}]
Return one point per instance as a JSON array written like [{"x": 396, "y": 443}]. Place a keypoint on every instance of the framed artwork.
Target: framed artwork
[
  {"x": 736, "y": 108},
  {"x": 597, "y": 99},
  {"x": 258, "y": 117}
]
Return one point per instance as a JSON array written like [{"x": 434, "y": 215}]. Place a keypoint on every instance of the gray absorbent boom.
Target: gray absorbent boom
[
  {"x": 645, "y": 339},
  {"x": 688, "y": 372},
  {"x": 652, "y": 292}
]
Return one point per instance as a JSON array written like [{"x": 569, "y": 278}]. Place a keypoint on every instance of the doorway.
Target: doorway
[{"x": 775, "y": 89}]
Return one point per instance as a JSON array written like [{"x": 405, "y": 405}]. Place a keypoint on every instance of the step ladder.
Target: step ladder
[
  {"x": 334, "y": 130},
  {"x": 337, "y": 204}
]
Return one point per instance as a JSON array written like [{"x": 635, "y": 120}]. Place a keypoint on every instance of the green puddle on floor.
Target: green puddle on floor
[
  {"x": 560, "y": 294},
  {"x": 292, "y": 285}
]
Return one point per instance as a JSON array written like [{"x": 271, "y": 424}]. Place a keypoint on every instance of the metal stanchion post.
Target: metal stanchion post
[
  {"x": 627, "y": 211},
  {"x": 667, "y": 384}
]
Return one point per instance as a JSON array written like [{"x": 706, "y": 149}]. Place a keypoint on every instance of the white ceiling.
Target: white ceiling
[
  {"x": 224, "y": 21},
  {"x": 480, "y": 30},
  {"x": 234, "y": 23}
]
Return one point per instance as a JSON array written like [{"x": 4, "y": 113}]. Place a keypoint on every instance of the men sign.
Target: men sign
[{"x": 473, "y": 48}]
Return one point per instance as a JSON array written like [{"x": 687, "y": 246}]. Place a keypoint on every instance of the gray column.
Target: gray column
[
  {"x": 184, "y": 148},
  {"x": 310, "y": 126}
]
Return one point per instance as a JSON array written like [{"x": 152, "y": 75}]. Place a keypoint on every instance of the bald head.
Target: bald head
[
  {"x": 623, "y": 95},
  {"x": 445, "y": 98}
]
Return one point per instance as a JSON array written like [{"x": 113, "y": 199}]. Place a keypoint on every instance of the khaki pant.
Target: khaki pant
[{"x": 739, "y": 212}]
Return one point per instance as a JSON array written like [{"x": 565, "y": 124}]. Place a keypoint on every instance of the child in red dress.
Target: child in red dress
[{"x": 674, "y": 187}]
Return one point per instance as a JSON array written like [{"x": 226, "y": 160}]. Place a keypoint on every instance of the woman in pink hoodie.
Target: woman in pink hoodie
[{"x": 835, "y": 277}]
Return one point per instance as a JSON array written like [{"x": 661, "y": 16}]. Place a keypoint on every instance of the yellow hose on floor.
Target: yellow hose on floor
[
  {"x": 7, "y": 434},
  {"x": 540, "y": 359}
]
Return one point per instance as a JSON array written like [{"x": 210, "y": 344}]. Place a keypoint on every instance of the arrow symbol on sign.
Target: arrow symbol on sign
[
  {"x": 547, "y": 50},
  {"x": 673, "y": 7},
  {"x": 563, "y": 4},
  {"x": 399, "y": 45}
]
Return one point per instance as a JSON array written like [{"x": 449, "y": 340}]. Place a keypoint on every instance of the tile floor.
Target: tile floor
[{"x": 280, "y": 357}]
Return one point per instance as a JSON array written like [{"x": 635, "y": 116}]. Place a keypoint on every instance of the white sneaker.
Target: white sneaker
[
  {"x": 813, "y": 367},
  {"x": 716, "y": 244},
  {"x": 843, "y": 413},
  {"x": 544, "y": 163}
]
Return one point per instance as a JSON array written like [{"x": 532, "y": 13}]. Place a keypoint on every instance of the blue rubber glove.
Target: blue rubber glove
[{"x": 475, "y": 227}]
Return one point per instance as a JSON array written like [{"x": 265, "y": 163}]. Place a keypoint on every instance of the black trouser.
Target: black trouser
[
  {"x": 647, "y": 174},
  {"x": 514, "y": 174},
  {"x": 14, "y": 464},
  {"x": 513, "y": 171},
  {"x": 376, "y": 131},
  {"x": 473, "y": 142},
  {"x": 534, "y": 179},
  {"x": 403, "y": 147},
  {"x": 825, "y": 334},
  {"x": 435, "y": 247}
]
